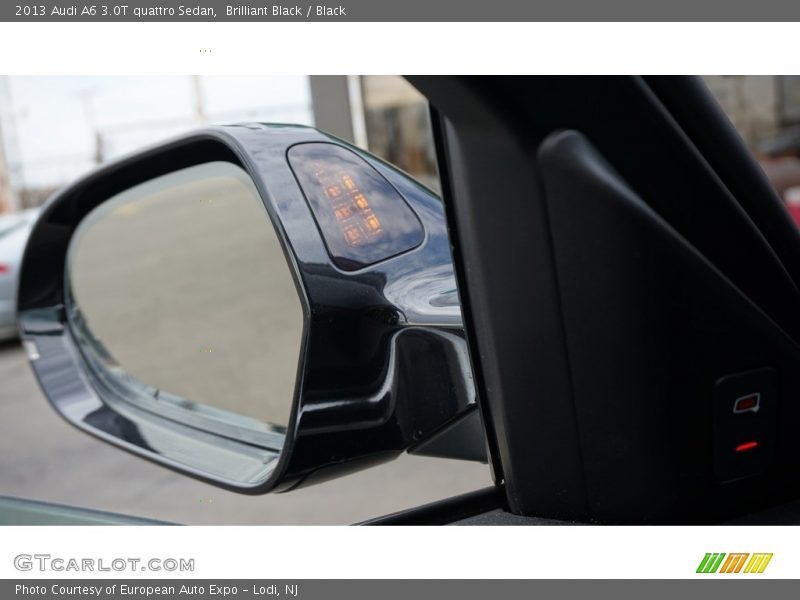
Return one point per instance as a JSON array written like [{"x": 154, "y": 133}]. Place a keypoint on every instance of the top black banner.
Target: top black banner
[{"x": 405, "y": 10}]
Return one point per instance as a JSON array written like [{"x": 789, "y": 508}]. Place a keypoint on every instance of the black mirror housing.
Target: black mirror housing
[{"x": 383, "y": 367}]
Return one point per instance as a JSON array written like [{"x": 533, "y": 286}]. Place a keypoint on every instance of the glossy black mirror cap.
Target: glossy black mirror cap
[{"x": 383, "y": 360}]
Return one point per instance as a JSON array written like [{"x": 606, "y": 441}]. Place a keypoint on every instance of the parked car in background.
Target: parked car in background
[{"x": 14, "y": 230}]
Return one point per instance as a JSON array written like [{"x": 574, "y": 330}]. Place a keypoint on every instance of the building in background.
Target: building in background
[
  {"x": 55, "y": 129},
  {"x": 8, "y": 198},
  {"x": 398, "y": 126},
  {"x": 383, "y": 114},
  {"x": 751, "y": 103},
  {"x": 765, "y": 109}
]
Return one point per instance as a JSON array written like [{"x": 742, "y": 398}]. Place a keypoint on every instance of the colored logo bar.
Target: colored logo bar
[{"x": 737, "y": 562}]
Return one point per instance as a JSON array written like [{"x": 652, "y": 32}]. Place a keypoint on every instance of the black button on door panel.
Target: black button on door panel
[{"x": 745, "y": 413}]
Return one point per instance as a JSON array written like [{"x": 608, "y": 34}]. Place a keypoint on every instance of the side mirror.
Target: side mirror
[{"x": 256, "y": 306}]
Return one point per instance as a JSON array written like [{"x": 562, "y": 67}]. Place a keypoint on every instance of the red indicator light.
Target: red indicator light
[
  {"x": 746, "y": 446},
  {"x": 749, "y": 403},
  {"x": 4, "y": 269}
]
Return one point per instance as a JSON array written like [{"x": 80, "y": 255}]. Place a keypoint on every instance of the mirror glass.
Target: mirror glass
[{"x": 179, "y": 288}]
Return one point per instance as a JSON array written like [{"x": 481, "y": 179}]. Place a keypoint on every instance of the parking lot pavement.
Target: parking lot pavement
[{"x": 44, "y": 458}]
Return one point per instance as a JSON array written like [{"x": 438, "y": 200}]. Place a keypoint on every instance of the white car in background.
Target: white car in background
[{"x": 14, "y": 230}]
